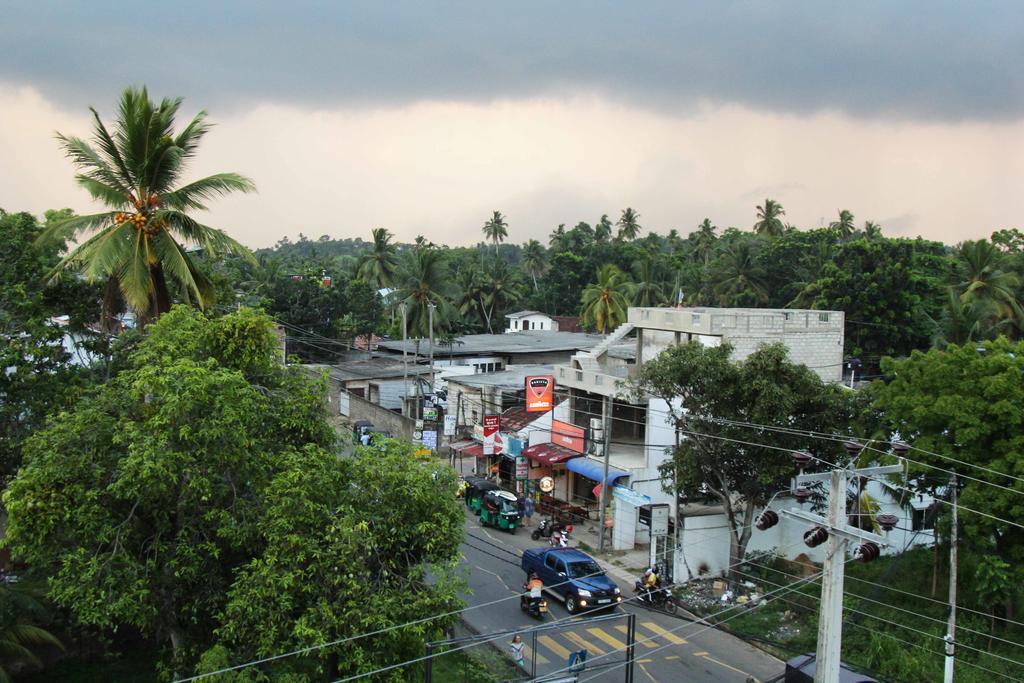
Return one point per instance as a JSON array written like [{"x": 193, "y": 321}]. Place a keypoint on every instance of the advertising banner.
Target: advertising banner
[
  {"x": 430, "y": 440},
  {"x": 522, "y": 467},
  {"x": 540, "y": 393},
  {"x": 569, "y": 436},
  {"x": 490, "y": 432},
  {"x": 449, "y": 425}
]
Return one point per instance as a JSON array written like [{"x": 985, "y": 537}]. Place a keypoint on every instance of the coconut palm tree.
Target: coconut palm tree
[
  {"x": 605, "y": 302},
  {"x": 736, "y": 276},
  {"x": 556, "y": 240},
  {"x": 469, "y": 299},
  {"x": 136, "y": 171},
  {"x": 496, "y": 230},
  {"x": 768, "y": 222},
  {"x": 534, "y": 263},
  {"x": 844, "y": 225},
  {"x": 629, "y": 228},
  {"x": 423, "y": 281},
  {"x": 379, "y": 266},
  {"x": 646, "y": 291},
  {"x": 603, "y": 229},
  {"x": 983, "y": 285},
  {"x": 872, "y": 231},
  {"x": 500, "y": 290},
  {"x": 706, "y": 239}
]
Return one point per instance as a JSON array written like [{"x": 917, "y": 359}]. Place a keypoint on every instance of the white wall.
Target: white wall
[{"x": 532, "y": 322}]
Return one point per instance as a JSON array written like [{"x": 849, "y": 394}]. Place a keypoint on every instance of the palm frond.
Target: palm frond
[
  {"x": 109, "y": 147},
  {"x": 67, "y": 229},
  {"x": 193, "y": 195},
  {"x": 192, "y": 134},
  {"x": 180, "y": 267},
  {"x": 88, "y": 159},
  {"x": 106, "y": 193},
  {"x": 135, "y": 278},
  {"x": 215, "y": 242}
]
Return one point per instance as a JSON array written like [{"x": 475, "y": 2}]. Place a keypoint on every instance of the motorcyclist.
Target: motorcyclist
[
  {"x": 535, "y": 589},
  {"x": 650, "y": 583}
]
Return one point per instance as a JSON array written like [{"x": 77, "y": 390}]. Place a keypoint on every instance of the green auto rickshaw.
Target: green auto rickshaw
[
  {"x": 476, "y": 487},
  {"x": 500, "y": 509}
]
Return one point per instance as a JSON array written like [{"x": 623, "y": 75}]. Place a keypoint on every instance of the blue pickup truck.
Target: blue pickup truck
[{"x": 573, "y": 577}]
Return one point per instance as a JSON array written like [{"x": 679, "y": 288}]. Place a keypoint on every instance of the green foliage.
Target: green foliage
[
  {"x": 966, "y": 404},
  {"x": 136, "y": 172},
  {"x": 349, "y": 544},
  {"x": 143, "y": 500},
  {"x": 605, "y": 302},
  {"x": 714, "y": 460}
]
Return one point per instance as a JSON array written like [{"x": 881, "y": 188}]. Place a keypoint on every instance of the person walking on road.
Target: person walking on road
[{"x": 518, "y": 647}]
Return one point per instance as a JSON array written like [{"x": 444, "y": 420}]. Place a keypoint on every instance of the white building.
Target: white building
[
  {"x": 642, "y": 432},
  {"x": 530, "y": 320}
]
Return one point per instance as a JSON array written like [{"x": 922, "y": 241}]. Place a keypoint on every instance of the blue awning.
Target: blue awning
[{"x": 592, "y": 469}]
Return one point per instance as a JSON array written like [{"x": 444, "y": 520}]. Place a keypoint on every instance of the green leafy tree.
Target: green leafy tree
[
  {"x": 604, "y": 228},
  {"x": 768, "y": 222},
  {"x": 496, "y": 230},
  {"x": 20, "y": 635},
  {"x": 534, "y": 262},
  {"x": 335, "y": 566},
  {"x": 141, "y": 503},
  {"x": 891, "y": 292},
  {"x": 715, "y": 462},
  {"x": 561, "y": 289},
  {"x": 136, "y": 171},
  {"x": 872, "y": 230},
  {"x": 605, "y": 302},
  {"x": 556, "y": 240},
  {"x": 844, "y": 226},
  {"x": 378, "y": 267},
  {"x": 500, "y": 291},
  {"x": 629, "y": 226},
  {"x": 966, "y": 405}
]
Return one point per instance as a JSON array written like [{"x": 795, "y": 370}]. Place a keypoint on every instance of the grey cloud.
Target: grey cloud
[{"x": 922, "y": 59}]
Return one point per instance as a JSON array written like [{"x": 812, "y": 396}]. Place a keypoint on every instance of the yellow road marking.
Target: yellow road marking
[
  {"x": 644, "y": 661},
  {"x": 581, "y": 642},
  {"x": 670, "y": 637},
  {"x": 646, "y": 642},
  {"x": 553, "y": 645},
  {"x": 541, "y": 659},
  {"x": 608, "y": 638},
  {"x": 672, "y": 657},
  {"x": 699, "y": 654},
  {"x": 708, "y": 657}
]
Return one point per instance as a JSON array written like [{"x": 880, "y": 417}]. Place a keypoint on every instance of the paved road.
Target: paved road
[{"x": 667, "y": 648}]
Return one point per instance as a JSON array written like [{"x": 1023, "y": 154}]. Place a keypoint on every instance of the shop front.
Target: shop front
[{"x": 586, "y": 478}]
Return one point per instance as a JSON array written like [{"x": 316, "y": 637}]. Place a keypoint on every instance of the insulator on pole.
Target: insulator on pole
[
  {"x": 887, "y": 521},
  {"x": 867, "y": 552},
  {"x": 816, "y": 536},
  {"x": 853, "y": 447},
  {"x": 802, "y": 459},
  {"x": 900, "y": 448},
  {"x": 802, "y": 494},
  {"x": 767, "y": 519}
]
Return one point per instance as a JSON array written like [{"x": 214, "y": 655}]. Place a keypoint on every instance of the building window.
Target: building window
[
  {"x": 823, "y": 317},
  {"x": 923, "y": 519}
]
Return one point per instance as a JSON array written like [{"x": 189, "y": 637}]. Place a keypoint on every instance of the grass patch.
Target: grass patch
[{"x": 480, "y": 664}]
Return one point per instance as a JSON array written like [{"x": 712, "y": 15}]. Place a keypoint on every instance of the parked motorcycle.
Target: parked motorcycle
[
  {"x": 659, "y": 598},
  {"x": 548, "y": 527}
]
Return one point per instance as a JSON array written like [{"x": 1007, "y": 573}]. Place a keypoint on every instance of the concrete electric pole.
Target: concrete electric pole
[{"x": 951, "y": 632}]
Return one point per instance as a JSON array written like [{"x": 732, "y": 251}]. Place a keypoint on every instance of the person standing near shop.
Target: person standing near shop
[{"x": 528, "y": 509}]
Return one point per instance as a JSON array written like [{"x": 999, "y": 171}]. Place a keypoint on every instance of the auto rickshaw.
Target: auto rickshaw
[
  {"x": 475, "y": 490},
  {"x": 500, "y": 509}
]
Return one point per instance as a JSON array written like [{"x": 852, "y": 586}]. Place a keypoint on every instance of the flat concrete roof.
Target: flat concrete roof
[
  {"x": 371, "y": 368},
  {"x": 513, "y": 377},
  {"x": 533, "y": 341}
]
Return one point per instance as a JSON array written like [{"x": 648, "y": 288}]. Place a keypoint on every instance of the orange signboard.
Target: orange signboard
[
  {"x": 569, "y": 436},
  {"x": 540, "y": 393}
]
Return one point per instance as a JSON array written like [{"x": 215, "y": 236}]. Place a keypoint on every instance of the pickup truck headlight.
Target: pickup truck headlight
[{"x": 584, "y": 593}]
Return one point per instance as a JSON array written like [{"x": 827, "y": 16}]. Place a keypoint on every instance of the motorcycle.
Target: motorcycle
[
  {"x": 658, "y": 597},
  {"x": 559, "y": 539},
  {"x": 535, "y": 607},
  {"x": 548, "y": 527}
]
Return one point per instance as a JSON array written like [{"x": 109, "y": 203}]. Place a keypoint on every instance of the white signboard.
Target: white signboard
[
  {"x": 659, "y": 520},
  {"x": 449, "y": 425}
]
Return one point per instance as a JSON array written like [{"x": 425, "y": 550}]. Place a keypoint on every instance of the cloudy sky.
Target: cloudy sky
[{"x": 425, "y": 116}]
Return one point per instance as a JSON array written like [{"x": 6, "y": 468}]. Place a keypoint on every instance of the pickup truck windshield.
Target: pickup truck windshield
[{"x": 578, "y": 570}]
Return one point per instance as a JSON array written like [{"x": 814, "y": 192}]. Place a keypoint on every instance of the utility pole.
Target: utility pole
[
  {"x": 830, "y": 623},
  {"x": 405, "y": 363},
  {"x": 838, "y": 533},
  {"x": 951, "y": 631},
  {"x": 430, "y": 316},
  {"x": 606, "y": 428}
]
